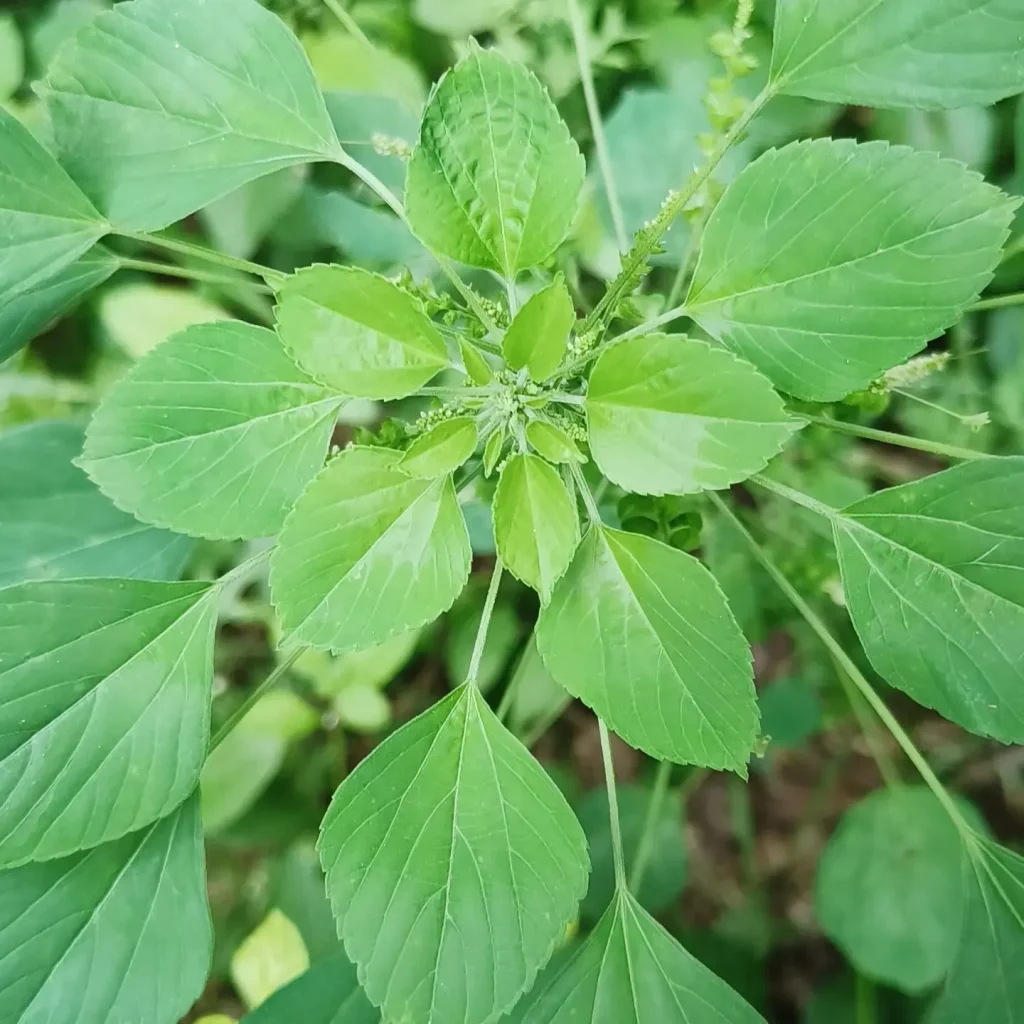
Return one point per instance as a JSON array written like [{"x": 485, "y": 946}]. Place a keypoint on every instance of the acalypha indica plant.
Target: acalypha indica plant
[{"x": 453, "y": 863}]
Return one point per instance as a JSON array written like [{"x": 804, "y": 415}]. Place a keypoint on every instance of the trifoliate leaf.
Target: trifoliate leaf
[
  {"x": 828, "y": 262},
  {"x": 104, "y": 709},
  {"x": 553, "y": 443},
  {"x": 536, "y": 525},
  {"x": 539, "y": 335},
  {"x": 641, "y": 632},
  {"x": 125, "y": 927},
  {"x": 668, "y": 415},
  {"x": 215, "y": 433},
  {"x": 358, "y": 332},
  {"x": 495, "y": 178},
  {"x": 268, "y": 958},
  {"x": 442, "y": 449},
  {"x": 368, "y": 552},
  {"x": 159, "y": 107},
  {"x": 500, "y": 864}
]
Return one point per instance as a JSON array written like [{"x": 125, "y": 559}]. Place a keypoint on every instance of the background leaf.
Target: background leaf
[{"x": 271, "y": 955}]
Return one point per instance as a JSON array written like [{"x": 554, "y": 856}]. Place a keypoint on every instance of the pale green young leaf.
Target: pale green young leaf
[
  {"x": 271, "y": 956},
  {"x": 477, "y": 368},
  {"x": 442, "y": 449},
  {"x": 159, "y": 107},
  {"x": 669, "y": 415},
  {"x": 553, "y": 443},
  {"x": 12, "y": 57},
  {"x": 368, "y": 552},
  {"x": 358, "y": 332},
  {"x": 933, "y": 573},
  {"x": 889, "y": 890},
  {"x": 642, "y": 633},
  {"x": 631, "y": 971},
  {"x": 895, "y": 53},
  {"x": 214, "y": 433},
  {"x": 492, "y": 450},
  {"x": 828, "y": 262},
  {"x": 500, "y": 866},
  {"x": 495, "y": 178},
  {"x": 536, "y": 525},
  {"x": 55, "y": 523},
  {"x": 538, "y": 336},
  {"x": 104, "y": 709},
  {"x": 46, "y": 222},
  {"x": 117, "y": 933}
]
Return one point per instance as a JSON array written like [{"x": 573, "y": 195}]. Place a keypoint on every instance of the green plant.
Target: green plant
[{"x": 453, "y": 862}]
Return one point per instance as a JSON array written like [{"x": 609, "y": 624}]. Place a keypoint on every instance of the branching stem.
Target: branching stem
[
  {"x": 200, "y": 252},
  {"x": 646, "y": 845},
  {"x": 485, "y": 623},
  {"x": 920, "y": 444},
  {"x": 191, "y": 274}
]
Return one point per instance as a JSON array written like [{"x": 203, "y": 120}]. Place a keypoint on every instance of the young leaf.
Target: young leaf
[
  {"x": 631, "y": 969},
  {"x": 159, "y": 107},
  {"x": 536, "y": 526},
  {"x": 477, "y": 368},
  {"x": 358, "y": 332},
  {"x": 539, "y": 334},
  {"x": 214, "y": 433},
  {"x": 668, "y": 415},
  {"x": 828, "y": 262},
  {"x": 368, "y": 552},
  {"x": 496, "y": 176},
  {"x": 46, "y": 222},
  {"x": 270, "y": 957},
  {"x": 642, "y": 633},
  {"x": 125, "y": 927},
  {"x": 889, "y": 890},
  {"x": 442, "y": 449},
  {"x": 933, "y": 573},
  {"x": 492, "y": 450},
  {"x": 104, "y": 709},
  {"x": 54, "y": 522},
  {"x": 500, "y": 864},
  {"x": 553, "y": 443},
  {"x": 891, "y": 53}
]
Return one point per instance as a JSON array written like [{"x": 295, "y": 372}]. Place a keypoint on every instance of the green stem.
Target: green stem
[
  {"x": 485, "y": 624},
  {"x": 350, "y": 24},
  {"x": 1013, "y": 248},
  {"x": 647, "y": 327},
  {"x": 613, "y": 808},
  {"x": 798, "y": 497},
  {"x": 879, "y": 755},
  {"x": 646, "y": 845},
  {"x": 692, "y": 248},
  {"x": 190, "y": 274},
  {"x": 456, "y": 392},
  {"x": 998, "y": 302},
  {"x": 920, "y": 444},
  {"x": 202, "y": 253},
  {"x": 588, "y": 499}
]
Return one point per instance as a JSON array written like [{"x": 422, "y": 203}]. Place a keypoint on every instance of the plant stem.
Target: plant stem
[
  {"x": 646, "y": 845},
  {"x": 456, "y": 392},
  {"x": 485, "y": 624},
  {"x": 202, "y": 253},
  {"x": 189, "y": 274},
  {"x": 798, "y": 497},
  {"x": 690, "y": 258},
  {"x": 998, "y": 302},
  {"x": 350, "y": 24},
  {"x": 1013, "y": 248},
  {"x": 588, "y": 499},
  {"x": 613, "y": 808},
  {"x": 579, "y": 39},
  {"x": 647, "y": 327},
  {"x": 920, "y": 444},
  {"x": 247, "y": 705},
  {"x": 849, "y": 666},
  {"x": 879, "y": 755}
]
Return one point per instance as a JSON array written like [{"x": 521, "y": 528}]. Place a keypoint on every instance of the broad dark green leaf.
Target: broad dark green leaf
[
  {"x": 538, "y": 336},
  {"x": 495, "y": 179},
  {"x": 536, "y": 525},
  {"x": 118, "y": 933},
  {"x": 828, "y": 262},
  {"x": 442, "y": 449},
  {"x": 631, "y": 971},
  {"x": 358, "y": 332},
  {"x": 159, "y": 107},
  {"x": 933, "y": 573},
  {"x": 899, "y": 53},
  {"x": 55, "y": 523},
  {"x": 368, "y": 552},
  {"x": 642, "y": 633},
  {"x": 453, "y": 864},
  {"x": 214, "y": 433},
  {"x": 104, "y": 709},
  {"x": 46, "y": 222},
  {"x": 669, "y": 415}
]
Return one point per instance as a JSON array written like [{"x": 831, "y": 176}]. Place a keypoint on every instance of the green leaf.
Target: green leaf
[
  {"x": 933, "y": 573},
  {"x": 159, "y": 107},
  {"x": 46, "y": 222},
  {"x": 536, "y": 526},
  {"x": 118, "y": 933},
  {"x": 477, "y": 368},
  {"x": 891, "y": 53},
  {"x": 368, "y": 552},
  {"x": 105, "y": 709},
  {"x": 669, "y": 415},
  {"x": 539, "y": 334},
  {"x": 460, "y": 19},
  {"x": 642, "y": 634},
  {"x": 215, "y": 433},
  {"x": 358, "y": 332},
  {"x": 442, "y": 449},
  {"x": 297, "y": 887},
  {"x": 985, "y": 983},
  {"x": 327, "y": 994},
  {"x": 12, "y": 57},
  {"x": 828, "y": 262},
  {"x": 791, "y": 712},
  {"x": 500, "y": 864},
  {"x": 55, "y": 524},
  {"x": 889, "y": 889},
  {"x": 496, "y": 176},
  {"x": 492, "y": 450},
  {"x": 553, "y": 443},
  {"x": 270, "y": 957},
  {"x": 631, "y": 970}
]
